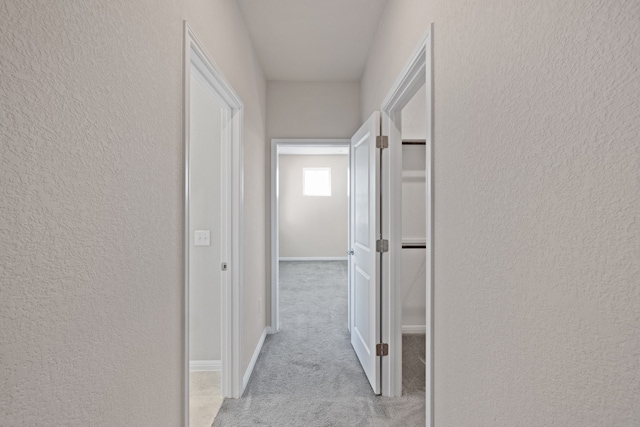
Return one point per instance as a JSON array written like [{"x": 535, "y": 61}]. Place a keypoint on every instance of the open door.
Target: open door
[{"x": 364, "y": 262}]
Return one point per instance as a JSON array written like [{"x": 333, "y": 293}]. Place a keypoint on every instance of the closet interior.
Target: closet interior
[{"x": 414, "y": 253}]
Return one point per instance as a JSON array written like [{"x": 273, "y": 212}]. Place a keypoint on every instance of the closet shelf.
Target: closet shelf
[
  {"x": 414, "y": 246},
  {"x": 414, "y": 243}
]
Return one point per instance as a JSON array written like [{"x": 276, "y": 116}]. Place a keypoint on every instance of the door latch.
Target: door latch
[{"x": 224, "y": 266}]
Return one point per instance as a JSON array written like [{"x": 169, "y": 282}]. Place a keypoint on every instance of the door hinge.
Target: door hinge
[
  {"x": 382, "y": 141},
  {"x": 382, "y": 245},
  {"x": 382, "y": 349}
]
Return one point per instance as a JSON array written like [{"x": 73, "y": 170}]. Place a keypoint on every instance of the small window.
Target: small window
[{"x": 316, "y": 181}]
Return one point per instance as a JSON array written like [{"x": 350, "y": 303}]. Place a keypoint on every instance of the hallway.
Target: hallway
[{"x": 308, "y": 373}]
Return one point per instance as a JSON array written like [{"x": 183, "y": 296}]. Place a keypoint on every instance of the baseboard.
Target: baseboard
[
  {"x": 312, "y": 258},
  {"x": 414, "y": 329},
  {"x": 254, "y": 358},
  {"x": 205, "y": 365},
  {"x": 271, "y": 331}
]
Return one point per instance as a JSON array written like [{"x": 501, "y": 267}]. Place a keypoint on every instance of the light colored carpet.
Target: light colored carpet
[
  {"x": 308, "y": 373},
  {"x": 413, "y": 365}
]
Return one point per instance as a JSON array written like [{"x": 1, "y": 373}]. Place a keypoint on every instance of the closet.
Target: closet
[{"x": 414, "y": 242}]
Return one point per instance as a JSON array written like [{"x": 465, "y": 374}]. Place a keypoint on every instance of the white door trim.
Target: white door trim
[
  {"x": 276, "y": 144},
  {"x": 232, "y": 217},
  {"x": 418, "y": 71}
]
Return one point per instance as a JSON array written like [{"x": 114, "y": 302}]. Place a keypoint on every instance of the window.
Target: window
[{"x": 316, "y": 181}]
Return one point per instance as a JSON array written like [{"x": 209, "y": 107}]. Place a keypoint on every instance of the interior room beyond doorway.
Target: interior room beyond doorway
[
  {"x": 313, "y": 205},
  {"x": 309, "y": 206}
]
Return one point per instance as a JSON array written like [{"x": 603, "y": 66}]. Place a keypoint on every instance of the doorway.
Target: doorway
[
  {"x": 206, "y": 250},
  {"x": 212, "y": 236},
  {"x": 309, "y": 206},
  {"x": 416, "y": 78}
]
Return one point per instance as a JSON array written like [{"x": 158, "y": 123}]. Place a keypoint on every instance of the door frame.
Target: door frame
[
  {"x": 418, "y": 71},
  {"x": 195, "y": 55},
  {"x": 276, "y": 144}
]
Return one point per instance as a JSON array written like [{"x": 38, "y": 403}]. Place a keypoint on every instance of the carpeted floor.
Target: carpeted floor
[{"x": 308, "y": 373}]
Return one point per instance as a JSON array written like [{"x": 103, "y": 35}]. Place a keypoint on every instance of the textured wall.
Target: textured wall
[
  {"x": 537, "y": 230},
  {"x": 313, "y": 226},
  {"x": 91, "y": 200}
]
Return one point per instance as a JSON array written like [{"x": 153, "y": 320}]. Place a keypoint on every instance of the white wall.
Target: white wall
[
  {"x": 204, "y": 214},
  {"x": 312, "y": 109},
  {"x": 537, "y": 237},
  {"x": 313, "y": 226},
  {"x": 91, "y": 211},
  {"x": 414, "y": 116}
]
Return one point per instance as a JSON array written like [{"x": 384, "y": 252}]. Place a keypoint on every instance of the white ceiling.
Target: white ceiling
[{"x": 312, "y": 40}]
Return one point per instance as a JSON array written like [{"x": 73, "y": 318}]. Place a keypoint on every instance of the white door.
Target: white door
[
  {"x": 364, "y": 261},
  {"x": 207, "y": 232}
]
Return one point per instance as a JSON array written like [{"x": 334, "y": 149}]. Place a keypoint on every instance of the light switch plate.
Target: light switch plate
[{"x": 203, "y": 238}]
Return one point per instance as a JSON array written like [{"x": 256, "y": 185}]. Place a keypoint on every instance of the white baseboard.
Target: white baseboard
[
  {"x": 414, "y": 329},
  {"x": 254, "y": 358},
  {"x": 271, "y": 331},
  {"x": 313, "y": 258},
  {"x": 205, "y": 365}
]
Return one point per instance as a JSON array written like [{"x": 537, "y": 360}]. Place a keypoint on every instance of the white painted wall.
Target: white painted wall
[
  {"x": 312, "y": 109},
  {"x": 414, "y": 124},
  {"x": 537, "y": 237},
  {"x": 91, "y": 211},
  {"x": 204, "y": 214},
  {"x": 313, "y": 226}
]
